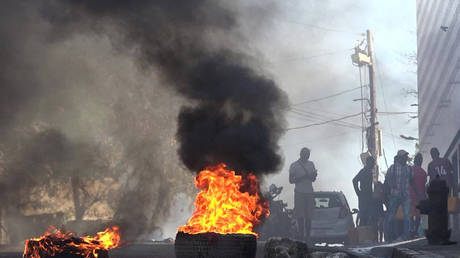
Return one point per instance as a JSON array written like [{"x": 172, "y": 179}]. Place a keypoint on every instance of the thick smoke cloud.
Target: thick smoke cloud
[
  {"x": 91, "y": 95},
  {"x": 78, "y": 116},
  {"x": 237, "y": 114},
  {"x": 16, "y": 90}
]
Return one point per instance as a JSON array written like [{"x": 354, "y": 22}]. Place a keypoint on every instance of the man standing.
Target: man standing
[
  {"x": 364, "y": 191},
  {"x": 399, "y": 178},
  {"x": 303, "y": 173},
  {"x": 440, "y": 167},
  {"x": 420, "y": 179}
]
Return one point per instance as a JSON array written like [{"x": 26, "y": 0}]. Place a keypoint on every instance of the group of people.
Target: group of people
[{"x": 403, "y": 188}]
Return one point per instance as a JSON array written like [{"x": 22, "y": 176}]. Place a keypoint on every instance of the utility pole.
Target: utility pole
[
  {"x": 360, "y": 58},
  {"x": 373, "y": 132}
]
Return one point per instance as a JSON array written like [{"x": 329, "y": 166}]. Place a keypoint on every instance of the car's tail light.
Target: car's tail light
[{"x": 343, "y": 212}]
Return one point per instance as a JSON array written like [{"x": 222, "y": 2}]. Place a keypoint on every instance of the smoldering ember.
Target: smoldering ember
[{"x": 214, "y": 128}]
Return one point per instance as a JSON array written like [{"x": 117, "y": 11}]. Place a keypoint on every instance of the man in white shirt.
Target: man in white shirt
[{"x": 303, "y": 173}]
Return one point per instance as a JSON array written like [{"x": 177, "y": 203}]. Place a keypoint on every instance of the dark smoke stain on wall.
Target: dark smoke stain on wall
[{"x": 237, "y": 113}]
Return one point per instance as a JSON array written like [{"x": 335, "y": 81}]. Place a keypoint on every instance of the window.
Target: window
[{"x": 327, "y": 201}]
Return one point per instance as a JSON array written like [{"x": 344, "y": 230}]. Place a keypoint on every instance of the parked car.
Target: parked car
[{"x": 332, "y": 218}]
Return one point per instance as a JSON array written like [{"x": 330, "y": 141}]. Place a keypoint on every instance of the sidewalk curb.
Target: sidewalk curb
[
  {"x": 409, "y": 253},
  {"x": 346, "y": 251}
]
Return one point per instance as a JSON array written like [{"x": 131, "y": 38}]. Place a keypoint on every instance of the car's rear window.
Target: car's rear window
[{"x": 327, "y": 201}]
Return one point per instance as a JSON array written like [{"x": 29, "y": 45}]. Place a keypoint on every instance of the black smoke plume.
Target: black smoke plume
[
  {"x": 237, "y": 113},
  {"x": 56, "y": 108}
]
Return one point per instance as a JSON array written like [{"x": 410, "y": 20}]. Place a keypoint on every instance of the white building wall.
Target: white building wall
[{"x": 438, "y": 61}]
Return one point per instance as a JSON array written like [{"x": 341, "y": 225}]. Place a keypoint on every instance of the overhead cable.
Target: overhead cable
[
  {"x": 321, "y": 118},
  {"x": 397, "y": 113},
  {"x": 326, "y": 97},
  {"x": 319, "y": 27},
  {"x": 325, "y": 122},
  {"x": 384, "y": 102},
  {"x": 303, "y": 58}
]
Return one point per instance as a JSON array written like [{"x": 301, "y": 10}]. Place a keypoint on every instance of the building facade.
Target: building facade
[{"x": 438, "y": 78}]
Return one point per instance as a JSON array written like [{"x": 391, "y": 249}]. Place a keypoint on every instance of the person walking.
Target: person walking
[
  {"x": 420, "y": 178},
  {"x": 399, "y": 178},
  {"x": 303, "y": 173},
  {"x": 364, "y": 191}
]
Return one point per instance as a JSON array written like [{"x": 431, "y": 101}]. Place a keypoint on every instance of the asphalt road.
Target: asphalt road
[
  {"x": 140, "y": 250},
  {"x": 152, "y": 250}
]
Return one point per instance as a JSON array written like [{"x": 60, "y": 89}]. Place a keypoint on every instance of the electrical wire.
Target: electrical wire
[
  {"x": 324, "y": 122},
  {"x": 362, "y": 111},
  {"x": 319, "y": 27},
  {"x": 323, "y": 111},
  {"x": 384, "y": 100},
  {"x": 385, "y": 157},
  {"x": 326, "y": 138},
  {"x": 327, "y": 97},
  {"x": 398, "y": 113},
  {"x": 366, "y": 96},
  {"x": 313, "y": 25},
  {"x": 319, "y": 115},
  {"x": 304, "y": 58},
  {"x": 319, "y": 118}
]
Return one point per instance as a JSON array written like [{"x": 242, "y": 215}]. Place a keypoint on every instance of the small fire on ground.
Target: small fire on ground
[
  {"x": 227, "y": 203},
  {"x": 56, "y": 242}
]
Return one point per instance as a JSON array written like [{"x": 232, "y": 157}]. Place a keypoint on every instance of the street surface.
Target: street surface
[
  {"x": 416, "y": 248},
  {"x": 149, "y": 250}
]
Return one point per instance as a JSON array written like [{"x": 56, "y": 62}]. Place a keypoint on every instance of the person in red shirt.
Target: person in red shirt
[
  {"x": 420, "y": 178},
  {"x": 440, "y": 167}
]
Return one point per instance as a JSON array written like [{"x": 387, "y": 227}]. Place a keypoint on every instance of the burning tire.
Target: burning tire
[
  {"x": 65, "y": 254},
  {"x": 61, "y": 244},
  {"x": 213, "y": 245}
]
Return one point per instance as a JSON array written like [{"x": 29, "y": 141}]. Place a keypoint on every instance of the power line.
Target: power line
[
  {"x": 318, "y": 118},
  {"x": 362, "y": 110},
  {"x": 324, "y": 122},
  {"x": 398, "y": 113},
  {"x": 323, "y": 111},
  {"x": 313, "y": 26},
  {"x": 319, "y": 27},
  {"x": 318, "y": 111},
  {"x": 321, "y": 117},
  {"x": 326, "y": 97},
  {"x": 304, "y": 58},
  {"x": 385, "y": 103},
  {"x": 332, "y": 124},
  {"x": 324, "y": 138},
  {"x": 385, "y": 157}
]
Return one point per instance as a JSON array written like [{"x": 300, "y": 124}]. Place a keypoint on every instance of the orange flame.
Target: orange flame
[
  {"x": 227, "y": 203},
  {"x": 54, "y": 242}
]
